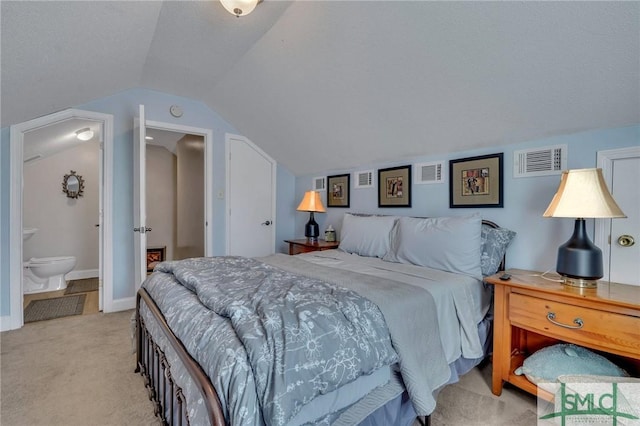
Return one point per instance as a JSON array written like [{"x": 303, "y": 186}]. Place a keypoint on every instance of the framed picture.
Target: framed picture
[
  {"x": 155, "y": 255},
  {"x": 476, "y": 181},
  {"x": 338, "y": 190},
  {"x": 394, "y": 187}
]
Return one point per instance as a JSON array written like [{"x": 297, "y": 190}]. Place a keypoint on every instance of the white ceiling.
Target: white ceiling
[{"x": 338, "y": 84}]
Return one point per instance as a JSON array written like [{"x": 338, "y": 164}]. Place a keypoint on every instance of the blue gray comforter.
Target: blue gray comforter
[{"x": 301, "y": 336}]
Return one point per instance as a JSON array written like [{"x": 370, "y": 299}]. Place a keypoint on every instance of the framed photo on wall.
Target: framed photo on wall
[
  {"x": 476, "y": 181},
  {"x": 394, "y": 187},
  {"x": 338, "y": 190}
]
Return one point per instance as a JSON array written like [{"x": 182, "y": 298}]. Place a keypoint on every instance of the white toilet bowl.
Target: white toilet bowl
[{"x": 46, "y": 273}]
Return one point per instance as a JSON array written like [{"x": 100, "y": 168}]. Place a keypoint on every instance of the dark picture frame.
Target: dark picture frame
[
  {"x": 155, "y": 255},
  {"x": 338, "y": 190},
  {"x": 394, "y": 187},
  {"x": 476, "y": 181}
]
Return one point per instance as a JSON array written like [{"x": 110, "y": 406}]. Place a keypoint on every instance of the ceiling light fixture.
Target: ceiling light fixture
[
  {"x": 84, "y": 134},
  {"x": 239, "y": 7}
]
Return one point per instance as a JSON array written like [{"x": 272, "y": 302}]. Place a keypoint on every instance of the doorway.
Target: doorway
[
  {"x": 102, "y": 125},
  {"x": 145, "y": 253},
  {"x": 619, "y": 238},
  {"x": 175, "y": 196}
]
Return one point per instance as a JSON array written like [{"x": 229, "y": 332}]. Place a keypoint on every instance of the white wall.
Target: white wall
[
  {"x": 190, "y": 208},
  {"x": 66, "y": 226},
  {"x": 161, "y": 199}
]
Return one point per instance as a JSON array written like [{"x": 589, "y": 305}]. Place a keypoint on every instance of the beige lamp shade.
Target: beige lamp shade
[
  {"x": 311, "y": 203},
  {"x": 583, "y": 193}
]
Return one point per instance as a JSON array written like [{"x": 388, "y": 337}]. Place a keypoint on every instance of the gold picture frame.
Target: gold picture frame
[
  {"x": 476, "y": 181},
  {"x": 394, "y": 187},
  {"x": 338, "y": 190}
]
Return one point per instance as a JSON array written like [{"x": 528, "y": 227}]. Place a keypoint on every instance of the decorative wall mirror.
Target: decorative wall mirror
[{"x": 73, "y": 185}]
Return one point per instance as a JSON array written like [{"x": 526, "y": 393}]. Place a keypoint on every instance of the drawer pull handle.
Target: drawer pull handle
[{"x": 578, "y": 321}]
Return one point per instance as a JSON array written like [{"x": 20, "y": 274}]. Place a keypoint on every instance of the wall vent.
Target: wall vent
[
  {"x": 363, "y": 179},
  {"x": 319, "y": 183},
  {"x": 429, "y": 172},
  {"x": 550, "y": 160}
]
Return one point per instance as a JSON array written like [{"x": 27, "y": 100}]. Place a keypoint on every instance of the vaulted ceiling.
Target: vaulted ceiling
[{"x": 337, "y": 84}]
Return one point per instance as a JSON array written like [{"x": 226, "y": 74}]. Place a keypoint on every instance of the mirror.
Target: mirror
[{"x": 73, "y": 185}]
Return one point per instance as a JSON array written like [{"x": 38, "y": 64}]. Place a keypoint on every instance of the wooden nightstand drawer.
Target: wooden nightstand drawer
[{"x": 606, "y": 330}]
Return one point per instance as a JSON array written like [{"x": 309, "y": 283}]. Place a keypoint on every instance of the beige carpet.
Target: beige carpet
[
  {"x": 72, "y": 371},
  {"x": 79, "y": 371}
]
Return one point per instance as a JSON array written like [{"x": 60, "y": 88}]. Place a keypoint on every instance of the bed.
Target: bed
[{"x": 365, "y": 334}]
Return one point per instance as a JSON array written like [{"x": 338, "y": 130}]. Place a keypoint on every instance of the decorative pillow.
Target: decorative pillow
[
  {"x": 547, "y": 364},
  {"x": 494, "y": 245},
  {"x": 366, "y": 235},
  {"x": 446, "y": 243}
]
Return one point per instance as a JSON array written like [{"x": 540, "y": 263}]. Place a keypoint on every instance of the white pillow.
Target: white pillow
[
  {"x": 366, "y": 235},
  {"x": 450, "y": 244}
]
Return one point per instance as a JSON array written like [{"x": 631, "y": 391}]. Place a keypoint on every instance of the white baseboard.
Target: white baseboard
[
  {"x": 81, "y": 275},
  {"x": 123, "y": 304},
  {"x": 5, "y": 323}
]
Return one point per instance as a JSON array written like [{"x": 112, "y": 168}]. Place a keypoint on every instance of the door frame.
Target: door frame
[
  {"x": 228, "y": 138},
  {"x": 17, "y": 133},
  {"x": 602, "y": 232},
  {"x": 207, "y": 135}
]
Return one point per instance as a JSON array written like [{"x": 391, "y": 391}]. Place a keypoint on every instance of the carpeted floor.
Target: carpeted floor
[{"x": 79, "y": 371}]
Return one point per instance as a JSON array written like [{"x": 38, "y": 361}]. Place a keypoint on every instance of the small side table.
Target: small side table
[
  {"x": 306, "y": 246},
  {"x": 531, "y": 313}
]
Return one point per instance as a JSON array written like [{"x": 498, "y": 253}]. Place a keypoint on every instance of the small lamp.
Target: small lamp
[
  {"x": 311, "y": 203},
  {"x": 582, "y": 194}
]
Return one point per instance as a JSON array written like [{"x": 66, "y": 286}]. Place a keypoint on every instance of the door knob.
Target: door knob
[
  {"x": 266, "y": 223},
  {"x": 626, "y": 240},
  {"x": 142, "y": 230}
]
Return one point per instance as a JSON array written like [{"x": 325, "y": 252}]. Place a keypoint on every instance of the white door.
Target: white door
[
  {"x": 251, "y": 178},
  {"x": 621, "y": 169},
  {"x": 139, "y": 198}
]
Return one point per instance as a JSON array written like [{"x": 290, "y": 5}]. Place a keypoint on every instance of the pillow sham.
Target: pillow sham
[
  {"x": 446, "y": 243},
  {"x": 368, "y": 236},
  {"x": 494, "y": 245}
]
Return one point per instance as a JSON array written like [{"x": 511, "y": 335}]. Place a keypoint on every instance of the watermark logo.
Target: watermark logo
[{"x": 586, "y": 404}]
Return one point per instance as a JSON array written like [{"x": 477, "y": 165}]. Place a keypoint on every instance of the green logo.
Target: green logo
[{"x": 590, "y": 406}]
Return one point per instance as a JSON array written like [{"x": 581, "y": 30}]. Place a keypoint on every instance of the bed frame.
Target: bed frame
[{"x": 169, "y": 401}]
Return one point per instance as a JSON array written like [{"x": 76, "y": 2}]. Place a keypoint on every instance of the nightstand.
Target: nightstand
[
  {"x": 531, "y": 312},
  {"x": 305, "y": 246}
]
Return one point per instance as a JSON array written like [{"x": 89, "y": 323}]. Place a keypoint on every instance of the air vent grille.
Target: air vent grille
[
  {"x": 545, "y": 161},
  {"x": 319, "y": 183},
  {"x": 429, "y": 172},
  {"x": 363, "y": 179}
]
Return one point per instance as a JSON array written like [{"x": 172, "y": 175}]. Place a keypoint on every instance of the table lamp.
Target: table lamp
[
  {"x": 582, "y": 194},
  {"x": 311, "y": 203}
]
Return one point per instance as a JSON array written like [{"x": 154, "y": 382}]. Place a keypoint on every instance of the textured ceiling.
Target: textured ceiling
[{"x": 343, "y": 83}]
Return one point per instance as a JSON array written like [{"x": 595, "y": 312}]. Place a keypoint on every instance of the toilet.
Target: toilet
[{"x": 46, "y": 273}]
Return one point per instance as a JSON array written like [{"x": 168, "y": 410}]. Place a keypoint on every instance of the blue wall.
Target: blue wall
[
  {"x": 525, "y": 199},
  {"x": 124, "y": 107}
]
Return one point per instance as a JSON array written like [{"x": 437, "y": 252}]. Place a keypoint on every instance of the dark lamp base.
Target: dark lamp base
[
  {"x": 579, "y": 260},
  {"x": 311, "y": 229}
]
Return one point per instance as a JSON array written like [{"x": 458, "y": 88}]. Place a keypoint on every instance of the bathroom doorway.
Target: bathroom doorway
[{"x": 31, "y": 152}]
